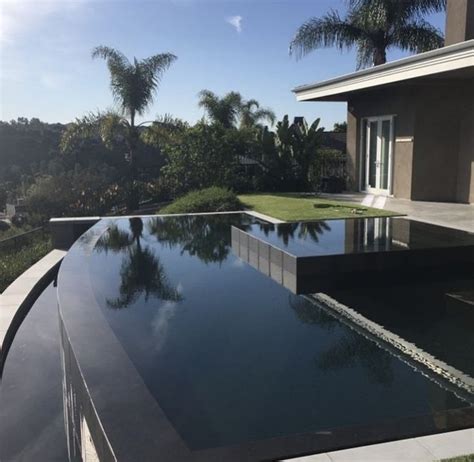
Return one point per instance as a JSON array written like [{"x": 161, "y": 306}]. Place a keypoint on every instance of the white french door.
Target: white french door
[{"x": 376, "y": 155}]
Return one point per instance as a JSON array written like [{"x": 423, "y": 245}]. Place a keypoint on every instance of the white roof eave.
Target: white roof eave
[{"x": 453, "y": 57}]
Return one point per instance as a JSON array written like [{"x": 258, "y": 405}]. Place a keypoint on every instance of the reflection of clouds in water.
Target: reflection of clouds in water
[
  {"x": 238, "y": 263},
  {"x": 160, "y": 322},
  {"x": 180, "y": 288}
]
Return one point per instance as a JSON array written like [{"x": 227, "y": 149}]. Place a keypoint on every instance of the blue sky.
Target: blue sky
[{"x": 46, "y": 70}]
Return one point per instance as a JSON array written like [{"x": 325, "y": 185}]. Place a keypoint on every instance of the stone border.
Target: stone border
[
  {"x": 19, "y": 296},
  {"x": 264, "y": 217},
  {"x": 425, "y": 448}
]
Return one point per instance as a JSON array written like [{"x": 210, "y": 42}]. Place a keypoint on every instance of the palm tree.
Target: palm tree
[
  {"x": 133, "y": 86},
  {"x": 373, "y": 26},
  {"x": 141, "y": 270},
  {"x": 223, "y": 110},
  {"x": 251, "y": 114}
]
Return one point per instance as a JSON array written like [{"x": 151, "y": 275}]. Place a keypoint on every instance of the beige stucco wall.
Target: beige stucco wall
[
  {"x": 439, "y": 111},
  {"x": 378, "y": 103},
  {"x": 459, "y": 21},
  {"x": 465, "y": 179},
  {"x": 439, "y": 164}
]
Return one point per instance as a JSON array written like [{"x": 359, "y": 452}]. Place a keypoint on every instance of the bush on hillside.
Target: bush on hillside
[
  {"x": 4, "y": 226},
  {"x": 15, "y": 262},
  {"x": 212, "y": 199}
]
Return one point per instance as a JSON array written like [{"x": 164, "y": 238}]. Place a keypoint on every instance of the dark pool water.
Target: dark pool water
[
  {"x": 232, "y": 356},
  {"x": 31, "y": 407},
  {"x": 427, "y": 313}
]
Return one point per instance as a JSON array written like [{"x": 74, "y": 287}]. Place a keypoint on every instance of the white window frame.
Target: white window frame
[{"x": 365, "y": 125}]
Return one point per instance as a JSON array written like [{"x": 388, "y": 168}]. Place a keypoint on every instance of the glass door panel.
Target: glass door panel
[
  {"x": 377, "y": 153},
  {"x": 385, "y": 154},
  {"x": 363, "y": 157},
  {"x": 372, "y": 151}
]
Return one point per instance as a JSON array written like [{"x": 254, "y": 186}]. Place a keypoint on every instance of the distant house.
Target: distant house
[
  {"x": 15, "y": 208},
  {"x": 411, "y": 122}
]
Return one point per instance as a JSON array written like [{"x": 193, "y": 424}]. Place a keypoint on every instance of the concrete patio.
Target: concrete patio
[{"x": 450, "y": 214}]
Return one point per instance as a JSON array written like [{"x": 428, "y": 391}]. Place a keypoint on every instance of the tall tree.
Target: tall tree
[
  {"x": 373, "y": 26},
  {"x": 134, "y": 85},
  {"x": 225, "y": 110},
  {"x": 251, "y": 114}
]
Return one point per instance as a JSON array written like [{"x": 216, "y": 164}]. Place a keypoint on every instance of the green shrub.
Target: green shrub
[
  {"x": 212, "y": 199},
  {"x": 4, "y": 226},
  {"x": 15, "y": 262},
  {"x": 205, "y": 156}
]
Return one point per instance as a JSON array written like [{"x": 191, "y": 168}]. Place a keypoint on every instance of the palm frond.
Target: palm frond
[
  {"x": 418, "y": 36},
  {"x": 365, "y": 52},
  {"x": 330, "y": 30},
  {"x": 408, "y": 8},
  {"x": 374, "y": 26},
  {"x": 113, "y": 57},
  {"x": 223, "y": 110},
  {"x": 80, "y": 130},
  {"x": 265, "y": 114},
  {"x": 134, "y": 84},
  {"x": 112, "y": 126}
]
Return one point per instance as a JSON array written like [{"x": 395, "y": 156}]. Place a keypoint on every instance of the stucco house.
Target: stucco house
[{"x": 411, "y": 121}]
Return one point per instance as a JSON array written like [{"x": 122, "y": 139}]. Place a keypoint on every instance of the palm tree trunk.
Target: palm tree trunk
[
  {"x": 380, "y": 56},
  {"x": 133, "y": 199}
]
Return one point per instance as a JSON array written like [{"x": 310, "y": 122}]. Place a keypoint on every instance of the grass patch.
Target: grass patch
[
  {"x": 296, "y": 207},
  {"x": 467, "y": 458},
  {"x": 11, "y": 231},
  {"x": 15, "y": 262},
  {"x": 205, "y": 200}
]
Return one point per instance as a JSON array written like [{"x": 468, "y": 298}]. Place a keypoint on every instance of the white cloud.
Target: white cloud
[
  {"x": 236, "y": 22},
  {"x": 161, "y": 321}
]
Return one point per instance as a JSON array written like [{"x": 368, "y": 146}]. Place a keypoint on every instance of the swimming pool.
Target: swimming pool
[{"x": 174, "y": 344}]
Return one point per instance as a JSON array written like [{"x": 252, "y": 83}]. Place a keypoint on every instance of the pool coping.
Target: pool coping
[
  {"x": 111, "y": 377},
  {"x": 443, "y": 374},
  {"x": 424, "y": 448},
  {"x": 17, "y": 299}
]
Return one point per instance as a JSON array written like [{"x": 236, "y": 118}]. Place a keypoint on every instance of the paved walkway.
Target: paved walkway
[
  {"x": 450, "y": 214},
  {"x": 424, "y": 449}
]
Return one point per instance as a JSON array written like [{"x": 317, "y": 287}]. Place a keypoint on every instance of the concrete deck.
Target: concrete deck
[
  {"x": 424, "y": 449},
  {"x": 450, "y": 214}
]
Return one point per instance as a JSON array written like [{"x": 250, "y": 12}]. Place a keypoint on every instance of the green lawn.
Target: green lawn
[
  {"x": 467, "y": 458},
  {"x": 296, "y": 207}
]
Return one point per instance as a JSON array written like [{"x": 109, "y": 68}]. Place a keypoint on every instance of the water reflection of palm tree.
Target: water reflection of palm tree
[
  {"x": 205, "y": 237},
  {"x": 141, "y": 270},
  {"x": 350, "y": 349},
  {"x": 313, "y": 230}
]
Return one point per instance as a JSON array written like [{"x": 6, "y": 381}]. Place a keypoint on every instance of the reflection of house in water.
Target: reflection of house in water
[
  {"x": 377, "y": 234},
  {"x": 318, "y": 256}
]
